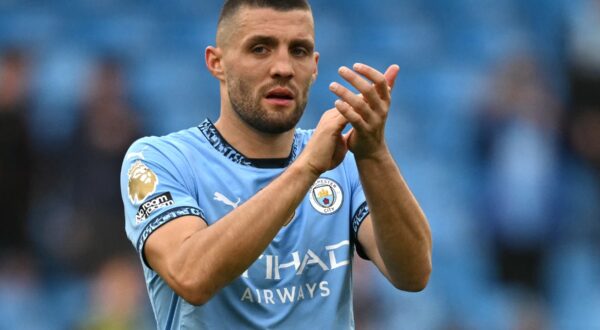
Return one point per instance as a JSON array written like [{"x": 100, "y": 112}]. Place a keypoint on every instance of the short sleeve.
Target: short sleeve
[
  {"x": 359, "y": 207},
  {"x": 156, "y": 188}
]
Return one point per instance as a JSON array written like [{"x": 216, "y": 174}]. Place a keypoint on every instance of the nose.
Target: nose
[{"x": 282, "y": 65}]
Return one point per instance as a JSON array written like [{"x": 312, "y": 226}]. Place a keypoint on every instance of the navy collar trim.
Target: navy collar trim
[{"x": 218, "y": 142}]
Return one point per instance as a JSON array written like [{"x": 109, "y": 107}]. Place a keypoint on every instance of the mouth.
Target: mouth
[{"x": 280, "y": 96}]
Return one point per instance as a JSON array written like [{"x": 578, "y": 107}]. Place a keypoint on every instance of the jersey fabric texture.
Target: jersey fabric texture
[{"x": 302, "y": 279}]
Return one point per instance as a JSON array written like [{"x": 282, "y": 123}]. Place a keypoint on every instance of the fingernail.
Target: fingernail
[
  {"x": 343, "y": 69},
  {"x": 333, "y": 86},
  {"x": 357, "y": 66}
]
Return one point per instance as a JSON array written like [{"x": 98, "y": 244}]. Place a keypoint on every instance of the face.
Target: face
[{"x": 269, "y": 64}]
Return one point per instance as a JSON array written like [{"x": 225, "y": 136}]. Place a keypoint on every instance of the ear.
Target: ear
[
  {"x": 316, "y": 72},
  {"x": 213, "y": 57}
]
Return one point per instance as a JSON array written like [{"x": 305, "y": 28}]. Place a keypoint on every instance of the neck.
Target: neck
[{"x": 251, "y": 142}]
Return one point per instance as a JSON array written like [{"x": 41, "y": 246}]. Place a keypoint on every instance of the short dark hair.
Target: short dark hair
[{"x": 231, "y": 6}]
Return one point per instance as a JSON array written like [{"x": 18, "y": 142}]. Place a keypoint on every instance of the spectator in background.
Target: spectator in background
[
  {"x": 18, "y": 271},
  {"x": 518, "y": 149},
  {"x": 15, "y": 153},
  {"x": 583, "y": 120},
  {"x": 117, "y": 297},
  {"x": 107, "y": 127},
  {"x": 583, "y": 48},
  {"x": 583, "y": 127}
]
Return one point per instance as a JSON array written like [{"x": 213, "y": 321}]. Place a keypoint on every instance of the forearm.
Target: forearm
[
  {"x": 400, "y": 228},
  {"x": 215, "y": 256}
]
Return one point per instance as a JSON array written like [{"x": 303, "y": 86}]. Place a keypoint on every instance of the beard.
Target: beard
[{"x": 248, "y": 106}]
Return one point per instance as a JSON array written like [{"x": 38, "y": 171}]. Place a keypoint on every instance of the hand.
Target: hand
[
  {"x": 326, "y": 148},
  {"x": 366, "y": 112}
]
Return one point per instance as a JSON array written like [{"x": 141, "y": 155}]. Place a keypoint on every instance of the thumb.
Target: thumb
[
  {"x": 339, "y": 120},
  {"x": 391, "y": 74},
  {"x": 333, "y": 121}
]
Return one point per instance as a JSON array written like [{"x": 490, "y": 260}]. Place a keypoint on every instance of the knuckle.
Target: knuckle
[
  {"x": 370, "y": 89},
  {"x": 325, "y": 116},
  {"x": 361, "y": 104}
]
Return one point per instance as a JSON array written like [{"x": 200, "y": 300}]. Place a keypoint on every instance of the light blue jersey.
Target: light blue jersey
[{"x": 304, "y": 277}]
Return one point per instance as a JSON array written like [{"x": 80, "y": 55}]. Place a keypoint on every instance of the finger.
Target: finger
[
  {"x": 380, "y": 83},
  {"x": 334, "y": 118},
  {"x": 348, "y": 112},
  {"x": 391, "y": 74},
  {"x": 355, "y": 101},
  {"x": 348, "y": 135},
  {"x": 367, "y": 89}
]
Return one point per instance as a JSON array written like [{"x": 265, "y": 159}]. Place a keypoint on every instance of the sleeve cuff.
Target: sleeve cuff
[
  {"x": 359, "y": 216},
  {"x": 162, "y": 219}
]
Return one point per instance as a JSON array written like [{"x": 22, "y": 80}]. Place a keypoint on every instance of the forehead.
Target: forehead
[{"x": 292, "y": 24}]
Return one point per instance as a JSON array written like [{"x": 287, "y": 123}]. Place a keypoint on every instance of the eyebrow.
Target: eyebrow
[
  {"x": 260, "y": 39},
  {"x": 272, "y": 42},
  {"x": 306, "y": 43}
]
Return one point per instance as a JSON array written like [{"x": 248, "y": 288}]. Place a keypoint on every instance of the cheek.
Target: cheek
[
  {"x": 306, "y": 73},
  {"x": 308, "y": 66},
  {"x": 243, "y": 77},
  {"x": 241, "y": 88}
]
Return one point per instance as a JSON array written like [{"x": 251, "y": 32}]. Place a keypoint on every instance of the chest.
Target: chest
[{"x": 316, "y": 239}]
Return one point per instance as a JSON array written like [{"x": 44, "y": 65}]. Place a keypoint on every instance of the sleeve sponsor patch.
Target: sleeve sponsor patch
[{"x": 152, "y": 205}]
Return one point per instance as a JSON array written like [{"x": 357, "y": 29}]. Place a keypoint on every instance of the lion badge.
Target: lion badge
[{"x": 142, "y": 182}]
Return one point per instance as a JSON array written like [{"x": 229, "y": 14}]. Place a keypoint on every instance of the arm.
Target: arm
[
  {"x": 197, "y": 260},
  {"x": 396, "y": 234}
]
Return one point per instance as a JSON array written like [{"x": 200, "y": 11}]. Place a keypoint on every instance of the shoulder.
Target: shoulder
[
  {"x": 155, "y": 161},
  {"x": 165, "y": 156},
  {"x": 168, "y": 147}
]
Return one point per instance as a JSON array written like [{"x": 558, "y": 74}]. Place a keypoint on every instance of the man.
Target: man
[
  {"x": 16, "y": 157},
  {"x": 250, "y": 223}
]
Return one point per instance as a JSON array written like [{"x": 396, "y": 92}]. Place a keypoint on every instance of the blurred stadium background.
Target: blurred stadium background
[{"x": 495, "y": 124}]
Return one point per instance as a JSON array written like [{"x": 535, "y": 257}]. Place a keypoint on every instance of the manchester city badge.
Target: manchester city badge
[{"x": 326, "y": 196}]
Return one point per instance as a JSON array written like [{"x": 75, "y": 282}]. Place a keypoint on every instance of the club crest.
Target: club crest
[
  {"x": 142, "y": 182},
  {"x": 326, "y": 196}
]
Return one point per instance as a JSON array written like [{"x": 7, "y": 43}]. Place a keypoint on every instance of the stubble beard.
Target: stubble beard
[{"x": 248, "y": 107}]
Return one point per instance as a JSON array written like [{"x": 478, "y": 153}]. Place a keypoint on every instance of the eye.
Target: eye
[
  {"x": 259, "y": 50},
  {"x": 299, "y": 51}
]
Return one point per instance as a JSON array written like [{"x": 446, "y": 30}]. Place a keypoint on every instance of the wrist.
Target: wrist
[
  {"x": 379, "y": 154},
  {"x": 303, "y": 169}
]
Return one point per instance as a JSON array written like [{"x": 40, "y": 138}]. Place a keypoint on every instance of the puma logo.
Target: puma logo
[{"x": 221, "y": 198}]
